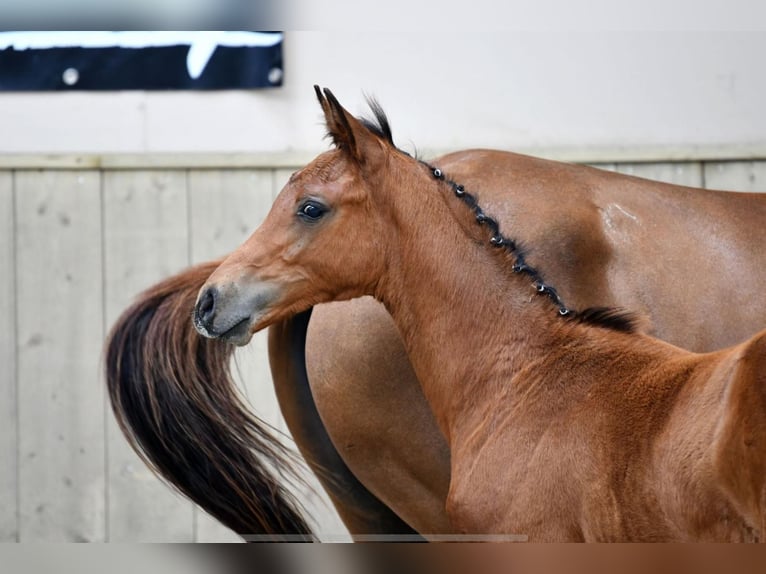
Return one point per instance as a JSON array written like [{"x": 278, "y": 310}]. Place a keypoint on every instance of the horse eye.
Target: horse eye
[{"x": 312, "y": 210}]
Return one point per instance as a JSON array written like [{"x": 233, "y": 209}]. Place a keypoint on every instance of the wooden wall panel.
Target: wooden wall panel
[
  {"x": 604, "y": 166},
  {"x": 681, "y": 173},
  {"x": 8, "y": 421},
  {"x": 145, "y": 240},
  {"x": 59, "y": 337},
  {"x": 225, "y": 208},
  {"x": 736, "y": 175}
]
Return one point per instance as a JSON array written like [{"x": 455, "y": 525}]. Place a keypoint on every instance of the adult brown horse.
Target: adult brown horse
[{"x": 602, "y": 239}]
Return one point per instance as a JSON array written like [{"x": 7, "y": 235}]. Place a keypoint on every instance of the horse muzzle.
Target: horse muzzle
[{"x": 229, "y": 312}]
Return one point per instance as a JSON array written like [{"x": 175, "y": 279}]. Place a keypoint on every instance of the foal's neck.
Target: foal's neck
[{"x": 469, "y": 323}]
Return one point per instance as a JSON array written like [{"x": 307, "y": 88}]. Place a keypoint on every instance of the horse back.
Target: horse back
[
  {"x": 666, "y": 251},
  {"x": 740, "y": 445}
]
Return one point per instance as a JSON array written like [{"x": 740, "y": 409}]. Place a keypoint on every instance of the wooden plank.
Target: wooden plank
[
  {"x": 736, "y": 176},
  {"x": 604, "y": 166},
  {"x": 679, "y": 173},
  {"x": 213, "y": 161},
  {"x": 157, "y": 161},
  {"x": 8, "y": 451},
  {"x": 225, "y": 207},
  {"x": 59, "y": 338},
  {"x": 49, "y": 161},
  {"x": 646, "y": 154},
  {"x": 298, "y": 158},
  {"x": 145, "y": 240}
]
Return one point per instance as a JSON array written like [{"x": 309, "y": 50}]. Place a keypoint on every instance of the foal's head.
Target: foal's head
[{"x": 322, "y": 240}]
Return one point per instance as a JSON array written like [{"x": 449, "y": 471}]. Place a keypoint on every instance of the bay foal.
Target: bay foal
[{"x": 561, "y": 425}]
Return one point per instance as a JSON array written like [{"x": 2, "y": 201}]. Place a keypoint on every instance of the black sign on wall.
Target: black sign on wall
[{"x": 34, "y": 61}]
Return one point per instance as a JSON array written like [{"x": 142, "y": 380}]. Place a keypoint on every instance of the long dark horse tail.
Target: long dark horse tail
[{"x": 176, "y": 402}]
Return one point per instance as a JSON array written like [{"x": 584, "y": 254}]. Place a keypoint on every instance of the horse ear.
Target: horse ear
[{"x": 348, "y": 133}]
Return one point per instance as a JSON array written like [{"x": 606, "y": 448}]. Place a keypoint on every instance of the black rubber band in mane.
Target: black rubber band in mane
[{"x": 610, "y": 318}]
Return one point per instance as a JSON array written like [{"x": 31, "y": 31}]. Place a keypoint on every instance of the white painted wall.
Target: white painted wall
[{"x": 442, "y": 89}]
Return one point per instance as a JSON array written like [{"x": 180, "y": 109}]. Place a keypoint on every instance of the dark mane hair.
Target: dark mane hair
[
  {"x": 612, "y": 318},
  {"x": 378, "y": 124}
]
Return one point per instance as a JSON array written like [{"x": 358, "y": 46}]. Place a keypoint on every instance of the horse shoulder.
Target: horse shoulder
[{"x": 740, "y": 445}]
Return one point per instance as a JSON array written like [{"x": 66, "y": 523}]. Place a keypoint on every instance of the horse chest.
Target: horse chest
[
  {"x": 513, "y": 481},
  {"x": 549, "y": 484}
]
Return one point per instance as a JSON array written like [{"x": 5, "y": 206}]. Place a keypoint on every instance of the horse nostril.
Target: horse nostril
[{"x": 206, "y": 306}]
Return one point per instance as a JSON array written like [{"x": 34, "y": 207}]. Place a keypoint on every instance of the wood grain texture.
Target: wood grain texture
[
  {"x": 736, "y": 175},
  {"x": 145, "y": 240},
  {"x": 295, "y": 159},
  {"x": 604, "y": 166},
  {"x": 689, "y": 174},
  {"x": 59, "y": 338},
  {"x": 8, "y": 420}
]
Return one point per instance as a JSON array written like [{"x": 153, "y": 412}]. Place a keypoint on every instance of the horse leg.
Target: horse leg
[{"x": 360, "y": 510}]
